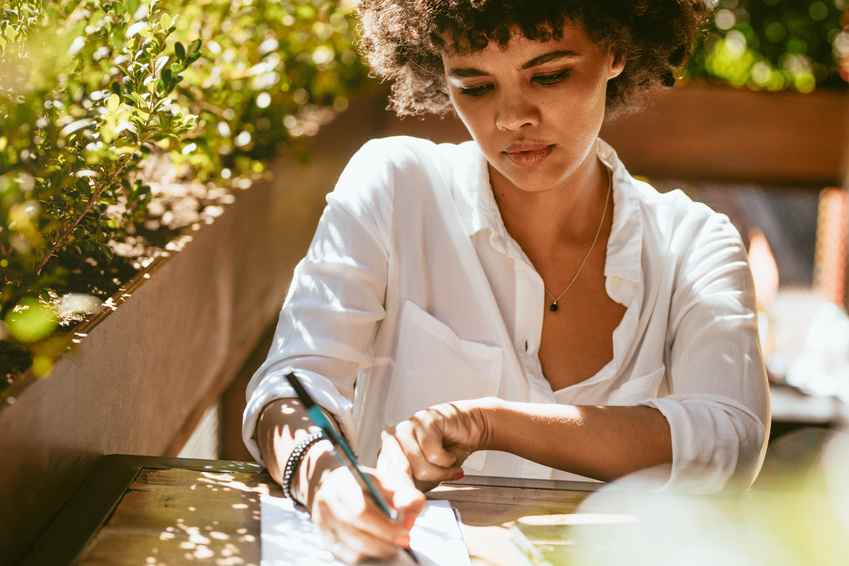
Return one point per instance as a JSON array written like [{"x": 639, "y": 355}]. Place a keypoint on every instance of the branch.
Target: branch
[{"x": 60, "y": 241}]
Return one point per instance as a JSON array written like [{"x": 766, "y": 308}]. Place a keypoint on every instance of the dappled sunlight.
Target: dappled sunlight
[
  {"x": 203, "y": 545},
  {"x": 178, "y": 243},
  {"x": 303, "y": 333},
  {"x": 179, "y": 516}
]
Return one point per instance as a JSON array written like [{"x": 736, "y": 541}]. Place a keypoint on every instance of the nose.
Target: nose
[{"x": 515, "y": 111}]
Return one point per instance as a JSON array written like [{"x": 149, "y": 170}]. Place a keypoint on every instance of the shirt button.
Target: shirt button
[{"x": 615, "y": 282}]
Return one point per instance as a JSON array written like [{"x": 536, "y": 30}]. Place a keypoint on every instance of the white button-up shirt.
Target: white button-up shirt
[{"x": 413, "y": 293}]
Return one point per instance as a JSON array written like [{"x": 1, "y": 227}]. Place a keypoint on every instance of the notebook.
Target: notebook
[{"x": 289, "y": 538}]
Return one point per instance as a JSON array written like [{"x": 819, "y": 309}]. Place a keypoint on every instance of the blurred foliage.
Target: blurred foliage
[
  {"x": 91, "y": 91},
  {"x": 773, "y": 45}
]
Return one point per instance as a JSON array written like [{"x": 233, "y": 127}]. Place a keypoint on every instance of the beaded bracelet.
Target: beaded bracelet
[{"x": 295, "y": 460}]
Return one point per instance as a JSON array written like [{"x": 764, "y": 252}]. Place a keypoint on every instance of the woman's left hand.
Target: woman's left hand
[{"x": 432, "y": 445}]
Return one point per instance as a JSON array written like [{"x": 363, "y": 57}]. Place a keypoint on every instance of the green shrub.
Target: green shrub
[
  {"x": 773, "y": 45},
  {"x": 92, "y": 91}
]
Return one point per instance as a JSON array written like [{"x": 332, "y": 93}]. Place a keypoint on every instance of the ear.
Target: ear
[{"x": 616, "y": 63}]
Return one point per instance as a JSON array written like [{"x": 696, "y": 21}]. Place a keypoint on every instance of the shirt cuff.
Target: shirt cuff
[
  {"x": 717, "y": 443},
  {"x": 275, "y": 386}
]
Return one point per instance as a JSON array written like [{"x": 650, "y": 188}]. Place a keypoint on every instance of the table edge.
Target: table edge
[
  {"x": 526, "y": 483},
  {"x": 68, "y": 534}
]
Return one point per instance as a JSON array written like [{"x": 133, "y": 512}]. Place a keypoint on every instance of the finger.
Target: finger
[
  {"x": 395, "y": 474},
  {"x": 423, "y": 470},
  {"x": 350, "y": 547},
  {"x": 410, "y": 502},
  {"x": 429, "y": 428},
  {"x": 392, "y": 462},
  {"x": 341, "y": 507},
  {"x": 434, "y": 442},
  {"x": 361, "y": 543},
  {"x": 433, "y": 445}
]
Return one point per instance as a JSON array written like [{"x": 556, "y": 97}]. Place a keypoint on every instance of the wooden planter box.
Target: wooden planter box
[
  {"x": 141, "y": 377},
  {"x": 735, "y": 135}
]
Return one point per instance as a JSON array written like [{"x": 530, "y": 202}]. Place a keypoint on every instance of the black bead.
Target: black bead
[{"x": 553, "y": 307}]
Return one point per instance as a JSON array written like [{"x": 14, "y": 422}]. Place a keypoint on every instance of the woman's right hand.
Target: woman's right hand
[{"x": 353, "y": 525}]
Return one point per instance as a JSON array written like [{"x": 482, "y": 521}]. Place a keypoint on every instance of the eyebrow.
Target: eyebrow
[
  {"x": 535, "y": 62},
  {"x": 550, "y": 56}
]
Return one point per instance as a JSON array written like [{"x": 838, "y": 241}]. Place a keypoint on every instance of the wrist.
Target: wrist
[
  {"x": 483, "y": 414},
  {"x": 296, "y": 458},
  {"x": 318, "y": 461}
]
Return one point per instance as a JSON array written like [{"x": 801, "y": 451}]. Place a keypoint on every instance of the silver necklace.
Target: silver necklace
[{"x": 553, "y": 306}]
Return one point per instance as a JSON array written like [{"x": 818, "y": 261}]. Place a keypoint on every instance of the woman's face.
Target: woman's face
[{"x": 535, "y": 108}]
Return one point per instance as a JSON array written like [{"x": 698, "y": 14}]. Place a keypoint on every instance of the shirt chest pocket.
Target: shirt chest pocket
[{"x": 433, "y": 365}]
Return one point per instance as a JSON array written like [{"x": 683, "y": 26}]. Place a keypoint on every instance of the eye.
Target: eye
[
  {"x": 552, "y": 78},
  {"x": 478, "y": 90}
]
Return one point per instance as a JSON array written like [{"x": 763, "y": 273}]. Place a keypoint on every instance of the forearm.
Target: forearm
[
  {"x": 281, "y": 425},
  {"x": 601, "y": 442}
]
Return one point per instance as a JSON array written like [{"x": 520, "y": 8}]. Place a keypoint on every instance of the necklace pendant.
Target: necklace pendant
[{"x": 553, "y": 306}]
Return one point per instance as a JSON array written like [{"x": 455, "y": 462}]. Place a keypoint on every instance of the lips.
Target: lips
[{"x": 528, "y": 154}]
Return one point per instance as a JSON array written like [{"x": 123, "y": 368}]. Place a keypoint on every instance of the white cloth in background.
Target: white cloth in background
[{"x": 413, "y": 287}]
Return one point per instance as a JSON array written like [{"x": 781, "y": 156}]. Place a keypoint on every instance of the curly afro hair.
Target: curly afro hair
[{"x": 403, "y": 40}]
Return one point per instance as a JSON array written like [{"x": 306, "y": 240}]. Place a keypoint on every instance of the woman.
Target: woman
[{"x": 518, "y": 305}]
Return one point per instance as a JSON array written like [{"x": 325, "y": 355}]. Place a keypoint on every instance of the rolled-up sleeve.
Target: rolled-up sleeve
[
  {"x": 718, "y": 402},
  {"x": 335, "y": 301}
]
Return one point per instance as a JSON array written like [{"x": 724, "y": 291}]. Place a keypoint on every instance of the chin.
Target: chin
[{"x": 533, "y": 181}]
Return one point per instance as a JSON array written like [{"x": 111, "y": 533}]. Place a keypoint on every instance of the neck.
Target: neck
[{"x": 561, "y": 216}]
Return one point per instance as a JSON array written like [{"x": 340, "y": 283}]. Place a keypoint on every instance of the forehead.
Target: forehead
[{"x": 519, "y": 49}]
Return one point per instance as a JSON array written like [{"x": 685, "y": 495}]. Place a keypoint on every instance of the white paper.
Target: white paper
[{"x": 289, "y": 538}]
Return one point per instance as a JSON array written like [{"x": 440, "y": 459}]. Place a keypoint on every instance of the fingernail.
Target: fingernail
[
  {"x": 460, "y": 475},
  {"x": 403, "y": 541}
]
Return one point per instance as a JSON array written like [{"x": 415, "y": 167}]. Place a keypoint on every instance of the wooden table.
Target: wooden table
[{"x": 137, "y": 510}]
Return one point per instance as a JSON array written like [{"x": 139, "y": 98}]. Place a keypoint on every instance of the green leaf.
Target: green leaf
[
  {"x": 160, "y": 63},
  {"x": 126, "y": 125},
  {"x": 136, "y": 29},
  {"x": 76, "y": 126},
  {"x": 113, "y": 103},
  {"x": 138, "y": 98},
  {"x": 31, "y": 321},
  {"x": 106, "y": 250},
  {"x": 42, "y": 365},
  {"x": 180, "y": 50}
]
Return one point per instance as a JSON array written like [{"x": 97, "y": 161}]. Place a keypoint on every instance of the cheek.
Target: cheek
[
  {"x": 477, "y": 119},
  {"x": 584, "y": 109}
]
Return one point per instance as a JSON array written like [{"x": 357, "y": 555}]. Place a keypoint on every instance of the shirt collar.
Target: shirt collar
[
  {"x": 479, "y": 211},
  {"x": 624, "y": 247},
  {"x": 472, "y": 190}
]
